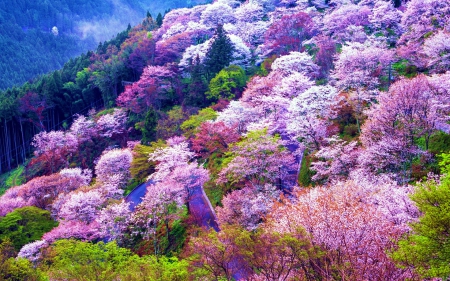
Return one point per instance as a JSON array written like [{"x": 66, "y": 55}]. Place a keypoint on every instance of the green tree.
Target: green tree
[
  {"x": 25, "y": 225},
  {"x": 13, "y": 269},
  {"x": 149, "y": 128},
  {"x": 197, "y": 84},
  {"x": 76, "y": 260},
  {"x": 220, "y": 53},
  {"x": 227, "y": 84},
  {"x": 427, "y": 248},
  {"x": 159, "y": 19},
  {"x": 190, "y": 126}
]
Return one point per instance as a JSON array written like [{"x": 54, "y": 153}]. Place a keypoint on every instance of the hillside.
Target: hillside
[
  {"x": 237, "y": 140},
  {"x": 30, "y": 48}
]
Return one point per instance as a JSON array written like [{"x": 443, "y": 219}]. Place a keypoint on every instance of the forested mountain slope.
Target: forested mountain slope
[
  {"x": 29, "y": 47},
  {"x": 318, "y": 130}
]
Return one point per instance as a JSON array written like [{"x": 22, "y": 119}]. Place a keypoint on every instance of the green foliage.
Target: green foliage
[
  {"x": 76, "y": 260},
  {"x": 305, "y": 174},
  {"x": 25, "y": 225},
  {"x": 16, "y": 269},
  {"x": 227, "y": 84},
  {"x": 439, "y": 143},
  {"x": 12, "y": 178},
  {"x": 141, "y": 168},
  {"x": 220, "y": 53},
  {"x": 427, "y": 248},
  {"x": 190, "y": 126},
  {"x": 159, "y": 19},
  {"x": 149, "y": 128},
  {"x": 169, "y": 124},
  {"x": 404, "y": 68}
]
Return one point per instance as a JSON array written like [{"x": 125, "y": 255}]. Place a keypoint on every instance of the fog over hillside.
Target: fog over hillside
[{"x": 40, "y": 36}]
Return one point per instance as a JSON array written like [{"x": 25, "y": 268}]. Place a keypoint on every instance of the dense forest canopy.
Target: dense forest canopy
[
  {"x": 237, "y": 140},
  {"x": 40, "y": 36}
]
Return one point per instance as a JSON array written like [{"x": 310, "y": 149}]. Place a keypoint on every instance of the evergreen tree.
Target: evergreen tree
[
  {"x": 149, "y": 128},
  {"x": 197, "y": 85},
  {"x": 220, "y": 53},
  {"x": 427, "y": 248},
  {"x": 159, "y": 19}
]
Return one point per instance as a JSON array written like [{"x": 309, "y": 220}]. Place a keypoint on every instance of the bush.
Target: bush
[{"x": 25, "y": 225}]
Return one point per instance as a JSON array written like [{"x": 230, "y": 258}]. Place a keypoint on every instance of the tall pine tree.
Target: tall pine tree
[{"x": 220, "y": 53}]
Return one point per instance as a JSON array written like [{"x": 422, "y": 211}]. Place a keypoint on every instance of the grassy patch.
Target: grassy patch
[{"x": 12, "y": 178}]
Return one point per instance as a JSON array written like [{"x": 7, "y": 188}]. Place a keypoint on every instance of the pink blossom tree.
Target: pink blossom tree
[
  {"x": 437, "y": 48},
  {"x": 112, "y": 125},
  {"x": 217, "y": 14},
  {"x": 358, "y": 69},
  {"x": 213, "y": 137},
  {"x": 336, "y": 160},
  {"x": 410, "y": 110},
  {"x": 73, "y": 229},
  {"x": 54, "y": 147},
  {"x": 169, "y": 158},
  {"x": 247, "y": 207},
  {"x": 352, "y": 229},
  {"x": 114, "y": 162},
  {"x": 296, "y": 62},
  {"x": 340, "y": 23},
  {"x": 41, "y": 191},
  {"x": 83, "y": 128},
  {"x": 310, "y": 113},
  {"x": 113, "y": 220},
  {"x": 237, "y": 115},
  {"x": 257, "y": 159},
  {"x": 288, "y": 33},
  {"x": 32, "y": 251},
  {"x": 81, "y": 206},
  {"x": 154, "y": 85}
]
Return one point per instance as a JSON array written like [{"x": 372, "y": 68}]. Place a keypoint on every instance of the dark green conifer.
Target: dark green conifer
[
  {"x": 220, "y": 53},
  {"x": 159, "y": 19}
]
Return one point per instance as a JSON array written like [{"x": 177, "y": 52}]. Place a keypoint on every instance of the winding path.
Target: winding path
[
  {"x": 201, "y": 208},
  {"x": 199, "y": 204}
]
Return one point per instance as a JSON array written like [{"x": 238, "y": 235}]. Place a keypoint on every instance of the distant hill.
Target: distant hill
[{"x": 32, "y": 46}]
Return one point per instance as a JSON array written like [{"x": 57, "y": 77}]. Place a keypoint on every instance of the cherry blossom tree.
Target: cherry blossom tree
[
  {"x": 113, "y": 220},
  {"x": 437, "y": 48},
  {"x": 410, "y": 110},
  {"x": 352, "y": 230},
  {"x": 214, "y": 138},
  {"x": 247, "y": 207},
  {"x": 41, "y": 191},
  {"x": 249, "y": 12},
  {"x": 358, "y": 69},
  {"x": 237, "y": 115},
  {"x": 156, "y": 83},
  {"x": 217, "y": 14},
  {"x": 386, "y": 19},
  {"x": 81, "y": 206},
  {"x": 340, "y": 23},
  {"x": 288, "y": 33},
  {"x": 257, "y": 159},
  {"x": 54, "y": 147},
  {"x": 158, "y": 207},
  {"x": 73, "y": 229},
  {"x": 336, "y": 160},
  {"x": 77, "y": 175},
  {"x": 296, "y": 62},
  {"x": 421, "y": 19},
  {"x": 32, "y": 251},
  {"x": 83, "y": 128},
  {"x": 310, "y": 113},
  {"x": 114, "y": 162},
  {"x": 112, "y": 125},
  {"x": 168, "y": 158}
]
